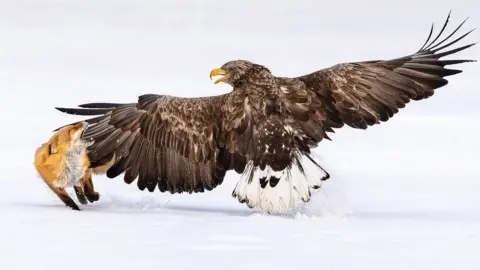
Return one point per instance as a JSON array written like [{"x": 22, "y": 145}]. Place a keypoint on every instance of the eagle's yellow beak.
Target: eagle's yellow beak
[{"x": 218, "y": 71}]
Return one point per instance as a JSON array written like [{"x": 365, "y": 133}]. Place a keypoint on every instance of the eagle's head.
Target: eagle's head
[{"x": 238, "y": 71}]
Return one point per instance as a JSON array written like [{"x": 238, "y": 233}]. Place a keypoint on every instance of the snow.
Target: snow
[{"x": 403, "y": 195}]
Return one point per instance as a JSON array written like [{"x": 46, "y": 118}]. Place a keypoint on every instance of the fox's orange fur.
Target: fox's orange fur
[{"x": 63, "y": 162}]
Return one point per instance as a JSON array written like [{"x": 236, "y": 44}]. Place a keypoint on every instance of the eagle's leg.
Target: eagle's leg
[{"x": 281, "y": 174}]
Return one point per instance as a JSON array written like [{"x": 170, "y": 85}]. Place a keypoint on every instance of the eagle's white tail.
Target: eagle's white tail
[{"x": 279, "y": 190}]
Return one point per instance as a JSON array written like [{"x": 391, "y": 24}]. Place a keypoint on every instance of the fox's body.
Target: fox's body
[{"x": 62, "y": 162}]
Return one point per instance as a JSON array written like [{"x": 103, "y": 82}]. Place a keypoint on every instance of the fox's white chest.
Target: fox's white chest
[{"x": 74, "y": 169}]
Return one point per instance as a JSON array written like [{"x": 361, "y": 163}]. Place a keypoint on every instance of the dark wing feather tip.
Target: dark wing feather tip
[
  {"x": 102, "y": 105},
  {"x": 83, "y": 111}
]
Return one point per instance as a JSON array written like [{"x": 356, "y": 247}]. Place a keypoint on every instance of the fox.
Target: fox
[{"x": 62, "y": 162}]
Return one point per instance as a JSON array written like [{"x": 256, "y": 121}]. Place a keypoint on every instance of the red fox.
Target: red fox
[{"x": 63, "y": 162}]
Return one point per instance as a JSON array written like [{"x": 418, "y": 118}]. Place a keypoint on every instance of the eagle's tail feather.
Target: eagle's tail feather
[{"x": 279, "y": 190}]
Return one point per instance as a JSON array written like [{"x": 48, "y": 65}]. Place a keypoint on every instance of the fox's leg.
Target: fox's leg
[
  {"x": 63, "y": 195},
  {"x": 80, "y": 194},
  {"x": 89, "y": 188}
]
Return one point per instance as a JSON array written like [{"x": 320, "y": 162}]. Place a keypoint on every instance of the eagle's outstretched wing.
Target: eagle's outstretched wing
[
  {"x": 362, "y": 94},
  {"x": 165, "y": 141}
]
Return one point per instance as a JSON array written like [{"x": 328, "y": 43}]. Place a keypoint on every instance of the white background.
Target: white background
[{"x": 403, "y": 194}]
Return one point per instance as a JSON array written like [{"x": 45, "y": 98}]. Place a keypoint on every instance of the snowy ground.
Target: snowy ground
[{"x": 403, "y": 195}]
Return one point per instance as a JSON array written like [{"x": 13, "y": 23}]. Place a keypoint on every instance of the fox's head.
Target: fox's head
[
  {"x": 67, "y": 137},
  {"x": 76, "y": 131}
]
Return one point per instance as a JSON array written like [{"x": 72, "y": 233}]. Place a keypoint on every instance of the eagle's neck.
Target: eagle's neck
[{"x": 258, "y": 86}]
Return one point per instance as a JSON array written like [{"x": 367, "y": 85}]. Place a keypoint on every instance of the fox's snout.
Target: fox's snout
[
  {"x": 77, "y": 130},
  {"x": 80, "y": 126}
]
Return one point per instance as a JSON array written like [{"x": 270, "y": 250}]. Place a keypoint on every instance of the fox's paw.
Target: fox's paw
[
  {"x": 66, "y": 199},
  {"x": 73, "y": 206},
  {"x": 95, "y": 196}
]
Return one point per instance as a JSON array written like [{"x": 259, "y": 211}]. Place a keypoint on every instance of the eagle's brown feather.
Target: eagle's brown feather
[{"x": 165, "y": 141}]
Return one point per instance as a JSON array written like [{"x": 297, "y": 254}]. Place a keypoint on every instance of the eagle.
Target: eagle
[{"x": 264, "y": 129}]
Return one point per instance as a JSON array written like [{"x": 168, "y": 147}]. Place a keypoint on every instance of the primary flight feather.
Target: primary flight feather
[{"x": 263, "y": 129}]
